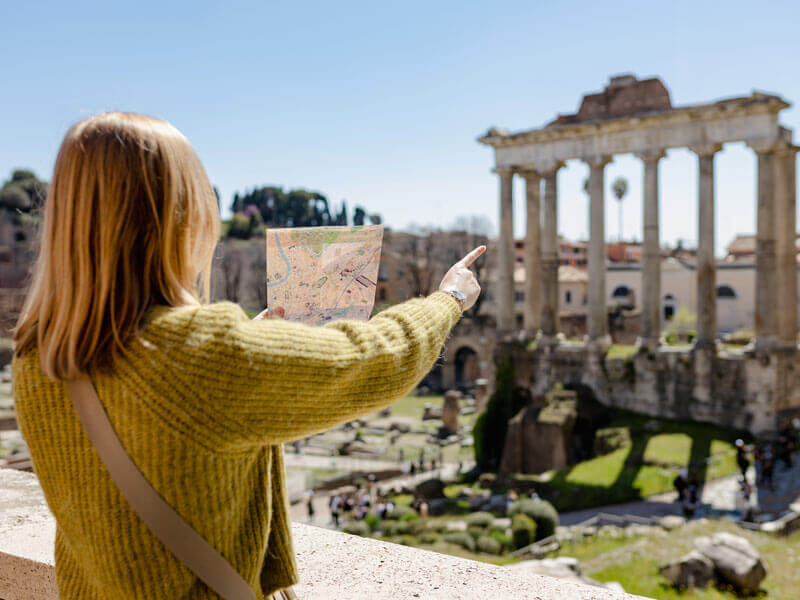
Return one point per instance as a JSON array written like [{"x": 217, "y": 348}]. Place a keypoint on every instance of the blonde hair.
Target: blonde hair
[{"x": 130, "y": 221}]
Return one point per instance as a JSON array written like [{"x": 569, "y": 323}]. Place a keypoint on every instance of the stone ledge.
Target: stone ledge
[{"x": 332, "y": 564}]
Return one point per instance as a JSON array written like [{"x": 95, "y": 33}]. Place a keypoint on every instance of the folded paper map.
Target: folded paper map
[{"x": 321, "y": 274}]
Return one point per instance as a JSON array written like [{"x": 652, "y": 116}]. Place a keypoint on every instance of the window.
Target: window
[
  {"x": 382, "y": 294},
  {"x": 621, "y": 291},
  {"x": 725, "y": 291},
  {"x": 568, "y": 297},
  {"x": 382, "y": 273},
  {"x": 668, "y": 305},
  {"x": 519, "y": 296}
]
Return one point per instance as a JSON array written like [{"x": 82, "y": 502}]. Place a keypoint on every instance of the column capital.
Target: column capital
[
  {"x": 786, "y": 148},
  {"x": 504, "y": 171},
  {"x": 548, "y": 167},
  {"x": 650, "y": 155},
  {"x": 705, "y": 150},
  {"x": 770, "y": 146},
  {"x": 528, "y": 173},
  {"x": 597, "y": 161}
]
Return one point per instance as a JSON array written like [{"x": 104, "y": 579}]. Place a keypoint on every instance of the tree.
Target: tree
[
  {"x": 231, "y": 271},
  {"x": 620, "y": 188},
  {"x": 23, "y": 192},
  {"x": 259, "y": 267},
  {"x": 294, "y": 208},
  {"x": 413, "y": 253},
  {"x": 358, "y": 216}
]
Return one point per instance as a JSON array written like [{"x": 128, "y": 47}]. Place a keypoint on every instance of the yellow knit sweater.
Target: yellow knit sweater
[{"x": 202, "y": 404}]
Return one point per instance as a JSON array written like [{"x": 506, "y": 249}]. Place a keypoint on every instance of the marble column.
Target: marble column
[
  {"x": 706, "y": 267},
  {"x": 549, "y": 320},
  {"x": 785, "y": 245},
  {"x": 597, "y": 321},
  {"x": 651, "y": 252},
  {"x": 766, "y": 280},
  {"x": 533, "y": 254},
  {"x": 505, "y": 253}
]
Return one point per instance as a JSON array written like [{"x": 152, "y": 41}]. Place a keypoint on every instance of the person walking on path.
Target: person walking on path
[
  {"x": 741, "y": 457},
  {"x": 201, "y": 398}
]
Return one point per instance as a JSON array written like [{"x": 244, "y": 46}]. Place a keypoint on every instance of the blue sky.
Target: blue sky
[{"x": 380, "y": 102}]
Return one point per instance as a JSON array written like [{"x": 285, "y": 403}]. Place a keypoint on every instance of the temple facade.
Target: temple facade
[{"x": 632, "y": 116}]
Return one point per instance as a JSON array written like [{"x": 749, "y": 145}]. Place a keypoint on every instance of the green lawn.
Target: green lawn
[
  {"x": 414, "y": 406},
  {"x": 634, "y": 563},
  {"x": 644, "y": 468}
]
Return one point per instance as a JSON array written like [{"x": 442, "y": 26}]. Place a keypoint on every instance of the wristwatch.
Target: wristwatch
[{"x": 460, "y": 298}]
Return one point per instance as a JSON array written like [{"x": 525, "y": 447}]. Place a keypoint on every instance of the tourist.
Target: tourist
[
  {"x": 310, "y": 505},
  {"x": 741, "y": 457},
  {"x": 786, "y": 447},
  {"x": 758, "y": 463},
  {"x": 691, "y": 499},
  {"x": 336, "y": 507},
  {"x": 423, "y": 509},
  {"x": 769, "y": 467},
  {"x": 681, "y": 484},
  {"x": 202, "y": 397}
]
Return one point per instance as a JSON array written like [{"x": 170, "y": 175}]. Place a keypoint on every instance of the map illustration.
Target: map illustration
[{"x": 322, "y": 274}]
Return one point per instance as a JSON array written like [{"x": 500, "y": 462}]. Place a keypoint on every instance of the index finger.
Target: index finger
[{"x": 472, "y": 256}]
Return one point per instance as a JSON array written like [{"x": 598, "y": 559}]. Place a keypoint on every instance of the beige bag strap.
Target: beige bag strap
[{"x": 166, "y": 524}]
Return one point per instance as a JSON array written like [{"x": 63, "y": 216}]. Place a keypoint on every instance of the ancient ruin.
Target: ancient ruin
[{"x": 755, "y": 390}]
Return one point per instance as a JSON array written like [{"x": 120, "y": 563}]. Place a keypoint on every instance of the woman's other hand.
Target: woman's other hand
[
  {"x": 269, "y": 313},
  {"x": 462, "y": 280}
]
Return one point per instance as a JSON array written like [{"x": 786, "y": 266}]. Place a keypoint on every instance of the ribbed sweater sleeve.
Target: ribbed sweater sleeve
[{"x": 280, "y": 381}]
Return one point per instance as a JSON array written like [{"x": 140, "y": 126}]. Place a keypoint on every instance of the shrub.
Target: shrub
[
  {"x": 502, "y": 537},
  {"x": 476, "y": 532},
  {"x": 408, "y": 540},
  {"x": 541, "y": 511},
  {"x": 429, "y": 537},
  {"x": 436, "y": 526},
  {"x": 480, "y": 519},
  {"x": 491, "y": 426},
  {"x": 373, "y": 521},
  {"x": 410, "y": 515},
  {"x": 356, "y": 528},
  {"x": 523, "y": 530},
  {"x": 460, "y": 538},
  {"x": 392, "y": 528},
  {"x": 399, "y": 512},
  {"x": 489, "y": 545}
]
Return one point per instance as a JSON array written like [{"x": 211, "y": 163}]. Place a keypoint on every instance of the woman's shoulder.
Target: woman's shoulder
[
  {"x": 219, "y": 314},
  {"x": 196, "y": 330}
]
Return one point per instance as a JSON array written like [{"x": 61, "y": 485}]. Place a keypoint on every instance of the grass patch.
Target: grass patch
[
  {"x": 414, "y": 406},
  {"x": 635, "y": 563},
  {"x": 622, "y": 351},
  {"x": 658, "y": 450}
]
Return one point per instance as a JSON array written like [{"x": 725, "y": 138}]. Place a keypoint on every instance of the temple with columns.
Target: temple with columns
[{"x": 632, "y": 116}]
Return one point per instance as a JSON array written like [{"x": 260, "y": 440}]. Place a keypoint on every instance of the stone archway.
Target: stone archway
[
  {"x": 466, "y": 366},
  {"x": 726, "y": 308}
]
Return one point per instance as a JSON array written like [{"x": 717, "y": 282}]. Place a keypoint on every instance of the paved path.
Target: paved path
[
  {"x": 322, "y": 513},
  {"x": 343, "y": 463},
  {"x": 719, "y": 495}
]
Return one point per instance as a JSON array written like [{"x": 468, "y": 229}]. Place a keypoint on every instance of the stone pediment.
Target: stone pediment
[{"x": 624, "y": 96}]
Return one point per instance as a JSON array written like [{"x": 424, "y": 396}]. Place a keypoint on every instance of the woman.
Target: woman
[{"x": 201, "y": 398}]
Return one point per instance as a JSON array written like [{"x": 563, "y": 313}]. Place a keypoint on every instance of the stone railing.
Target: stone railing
[{"x": 332, "y": 564}]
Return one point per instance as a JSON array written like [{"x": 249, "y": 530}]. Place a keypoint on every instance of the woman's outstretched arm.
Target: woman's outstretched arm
[
  {"x": 288, "y": 380},
  {"x": 282, "y": 381}
]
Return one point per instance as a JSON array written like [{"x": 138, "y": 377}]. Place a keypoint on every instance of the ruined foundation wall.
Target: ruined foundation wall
[{"x": 752, "y": 393}]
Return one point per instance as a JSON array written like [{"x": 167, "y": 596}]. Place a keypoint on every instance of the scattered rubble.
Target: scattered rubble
[{"x": 722, "y": 558}]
